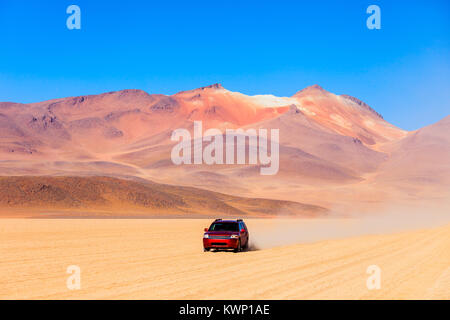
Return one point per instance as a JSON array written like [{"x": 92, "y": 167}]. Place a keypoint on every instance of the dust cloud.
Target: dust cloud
[{"x": 276, "y": 232}]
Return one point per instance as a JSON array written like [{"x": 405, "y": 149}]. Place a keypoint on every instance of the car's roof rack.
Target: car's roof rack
[{"x": 237, "y": 220}]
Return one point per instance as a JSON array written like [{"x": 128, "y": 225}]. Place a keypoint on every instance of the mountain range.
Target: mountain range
[{"x": 336, "y": 154}]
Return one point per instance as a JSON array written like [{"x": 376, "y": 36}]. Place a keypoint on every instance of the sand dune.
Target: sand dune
[{"x": 163, "y": 259}]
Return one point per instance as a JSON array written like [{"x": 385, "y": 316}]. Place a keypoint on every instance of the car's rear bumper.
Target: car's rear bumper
[{"x": 220, "y": 243}]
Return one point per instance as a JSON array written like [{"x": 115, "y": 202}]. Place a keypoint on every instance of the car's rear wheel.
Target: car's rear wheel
[
  {"x": 206, "y": 249},
  {"x": 238, "y": 248},
  {"x": 245, "y": 248}
]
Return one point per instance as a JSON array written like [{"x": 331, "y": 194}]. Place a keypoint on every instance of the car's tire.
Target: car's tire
[
  {"x": 206, "y": 249},
  {"x": 238, "y": 248},
  {"x": 245, "y": 248}
]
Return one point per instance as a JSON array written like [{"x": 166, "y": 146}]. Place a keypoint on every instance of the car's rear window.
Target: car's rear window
[{"x": 224, "y": 226}]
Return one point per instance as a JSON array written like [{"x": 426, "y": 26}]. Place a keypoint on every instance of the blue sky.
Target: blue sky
[{"x": 255, "y": 47}]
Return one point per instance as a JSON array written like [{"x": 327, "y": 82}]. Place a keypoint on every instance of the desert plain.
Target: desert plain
[{"x": 163, "y": 259}]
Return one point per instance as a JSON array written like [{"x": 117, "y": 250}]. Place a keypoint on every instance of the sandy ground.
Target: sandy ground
[{"x": 163, "y": 259}]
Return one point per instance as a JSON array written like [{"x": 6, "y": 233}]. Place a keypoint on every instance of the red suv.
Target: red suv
[{"x": 226, "y": 234}]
